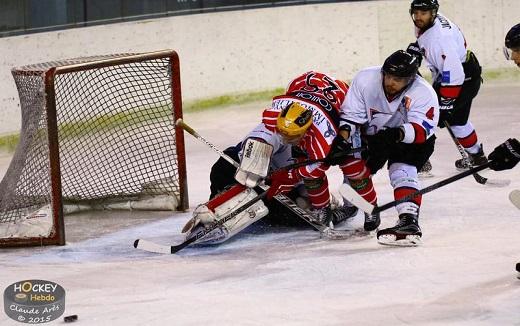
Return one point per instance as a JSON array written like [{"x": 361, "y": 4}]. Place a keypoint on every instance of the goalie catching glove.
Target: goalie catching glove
[{"x": 255, "y": 163}]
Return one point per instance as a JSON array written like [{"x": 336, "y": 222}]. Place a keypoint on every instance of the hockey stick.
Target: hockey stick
[
  {"x": 351, "y": 195},
  {"x": 150, "y": 246},
  {"x": 191, "y": 131},
  {"x": 480, "y": 179},
  {"x": 514, "y": 197}
]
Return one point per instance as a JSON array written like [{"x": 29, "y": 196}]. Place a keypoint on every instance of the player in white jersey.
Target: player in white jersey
[
  {"x": 456, "y": 73},
  {"x": 512, "y": 45},
  {"x": 507, "y": 155},
  {"x": 396, "y": 111}
]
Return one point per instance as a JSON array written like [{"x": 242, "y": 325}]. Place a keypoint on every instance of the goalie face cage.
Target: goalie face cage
[{"x": 96, "y": 132}]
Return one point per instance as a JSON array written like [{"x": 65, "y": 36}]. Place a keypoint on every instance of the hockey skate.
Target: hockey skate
[
  {"x": 372, "y": 221},
  {"x": 343, "y": 213},
  {"x": 405, "y": 233},
  {"x": 322, "y": 216},
  {"x": 426, "y": 170},
  {"x": 474, "y": 160}
]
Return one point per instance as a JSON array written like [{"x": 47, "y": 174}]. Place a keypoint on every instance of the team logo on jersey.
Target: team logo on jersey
[
  {"x": 330, "y": 132},
  {"x": 406, "y": 102},
  {"x": 446, "y": 77}
]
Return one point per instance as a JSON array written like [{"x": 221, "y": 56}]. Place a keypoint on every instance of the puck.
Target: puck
[
  {"x": 518, "y": 267},
  {"x": 70, "y": 319}
]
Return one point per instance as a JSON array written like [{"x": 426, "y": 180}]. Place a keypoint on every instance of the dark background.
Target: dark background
[{"x": 30, "y": 16}]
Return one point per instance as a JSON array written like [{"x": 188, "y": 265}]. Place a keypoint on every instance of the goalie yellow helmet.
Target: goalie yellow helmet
[{"x": 293, "y": 122}]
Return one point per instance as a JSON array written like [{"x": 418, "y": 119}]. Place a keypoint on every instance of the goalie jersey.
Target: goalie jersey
[{"x": 416, "y": 108}]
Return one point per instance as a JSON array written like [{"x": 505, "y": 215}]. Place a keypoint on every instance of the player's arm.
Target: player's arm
[
  {"x": 423, "y": 116},
  {"x": 452, "y": 78}
]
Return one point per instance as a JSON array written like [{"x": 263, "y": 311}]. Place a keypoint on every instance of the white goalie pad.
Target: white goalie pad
[
  {"x": 255, "y": 163},
  {"x": 36, "y": 224},
  {"x": 204, "y": 216}
]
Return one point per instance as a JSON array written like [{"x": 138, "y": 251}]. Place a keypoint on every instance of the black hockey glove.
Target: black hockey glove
[
  {"x": 389, "y": 136},
  {"x": 505, "y": 156},
  {"x": 444, "y": 115},
  {"x": 415, "y": 50},
  {"x": 338, "y": 151}
]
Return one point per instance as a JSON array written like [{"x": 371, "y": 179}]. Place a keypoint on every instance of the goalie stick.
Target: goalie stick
[
  {"x": 191, "y": 131},
  {"x": 480, "y": 179},
  {"x": 352, "y": 196},
  {"x": 514, "y": 197},
  {"x": 153, "y": 247},
  {"x": 326, "y": 232}
]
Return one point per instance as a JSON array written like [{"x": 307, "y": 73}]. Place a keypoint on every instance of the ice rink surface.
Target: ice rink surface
[{"x": 463, "y": 274}]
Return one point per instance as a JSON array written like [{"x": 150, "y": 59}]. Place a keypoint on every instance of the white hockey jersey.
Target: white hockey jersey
[
  {"x": 416, "y": 109},
  {"x": 444, "y": 49}
]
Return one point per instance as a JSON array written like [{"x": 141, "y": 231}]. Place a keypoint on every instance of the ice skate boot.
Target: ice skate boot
[
  {"x": 322, "y": 216},
  {"x": 343, "y": 213},
  {"x": 474, "y": 160},
  {"x": 372, "y": 221},
  {"x": 426, "y": 170},
  {"x": 405, "y": 233}
]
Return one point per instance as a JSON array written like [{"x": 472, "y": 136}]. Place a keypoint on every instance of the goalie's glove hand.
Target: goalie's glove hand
[
  {"x": 282, "y": 181},
  {"x": 338, "y": 151},
  {"x": 415, "y": 50},
  {"x": 505, "y": 156}
]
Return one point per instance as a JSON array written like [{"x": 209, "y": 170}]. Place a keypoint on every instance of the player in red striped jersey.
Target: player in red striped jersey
[
  {"x": 456, "y": 73},
  {"x": 301, "y": 124}
]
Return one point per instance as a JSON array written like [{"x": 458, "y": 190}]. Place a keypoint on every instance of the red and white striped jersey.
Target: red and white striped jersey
[
  {"x": 444, "y": 49},
  {"x": 323, "y": 95},
  {"x": 366, "y": 105}
]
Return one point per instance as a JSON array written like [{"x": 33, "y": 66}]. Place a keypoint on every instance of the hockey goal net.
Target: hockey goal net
[{"x": 97, "y": 132}]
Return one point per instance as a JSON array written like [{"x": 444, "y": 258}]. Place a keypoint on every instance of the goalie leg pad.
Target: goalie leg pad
[{"x": 206, "y": 216}]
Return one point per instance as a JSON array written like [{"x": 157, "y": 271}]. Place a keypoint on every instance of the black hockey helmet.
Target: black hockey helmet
[
  {"x": 513, "y": 37},
  {"x": 401, "y": 64},
  {"x": 432, "y": 5}
]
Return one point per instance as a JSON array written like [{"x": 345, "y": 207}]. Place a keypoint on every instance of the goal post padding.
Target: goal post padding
[{"x": 97, "y": 133}]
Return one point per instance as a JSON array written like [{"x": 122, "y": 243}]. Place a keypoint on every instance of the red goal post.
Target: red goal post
[{"x": 97, "y": 132}]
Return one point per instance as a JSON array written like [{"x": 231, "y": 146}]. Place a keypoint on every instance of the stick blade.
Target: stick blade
[
  {"x": 498, "y": 183},
  {"x": 514, "y": 197},
  {"x": 353, "y": 197},
  {"x": 152, "y": 247}
]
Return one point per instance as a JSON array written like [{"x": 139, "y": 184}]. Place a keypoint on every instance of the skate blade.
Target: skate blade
[
  {"x": 334, "y": 234},
  {"x": 391, "y": 240},
  {"x": 425, "y": 175}
]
